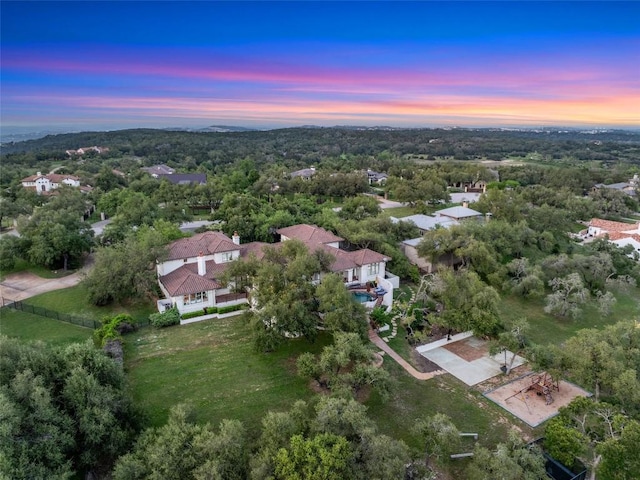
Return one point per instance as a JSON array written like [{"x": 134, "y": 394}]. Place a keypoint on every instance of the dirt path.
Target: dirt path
[
  {"x": 373, "y": 336},
  {"x": 21, "y": 285}
]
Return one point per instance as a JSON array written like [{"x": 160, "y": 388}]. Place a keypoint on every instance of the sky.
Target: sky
[{"x": 124, "y": 64}]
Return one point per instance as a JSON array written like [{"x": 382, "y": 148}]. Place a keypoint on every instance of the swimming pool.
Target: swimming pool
[{"x": 363, "y": 297}]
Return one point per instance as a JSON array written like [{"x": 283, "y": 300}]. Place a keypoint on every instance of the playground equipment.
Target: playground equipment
[{"x": 543, "y": 385}]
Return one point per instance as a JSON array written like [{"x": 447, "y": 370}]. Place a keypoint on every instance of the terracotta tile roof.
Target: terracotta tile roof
[
  {"x": 311, "y": 234},
  {"x": 184, "y": 281},
  {"x": 366, "y": 257},
  {"x": 611, "y": 226},
  {"x": 620, "y": 235},
  {"x": 208, "y": 243},
  {"x": 53, "y": 177},
  {"x": 256, "y": 248}
]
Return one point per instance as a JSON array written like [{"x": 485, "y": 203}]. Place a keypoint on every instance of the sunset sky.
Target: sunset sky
[{"x": 107, "y": 65}]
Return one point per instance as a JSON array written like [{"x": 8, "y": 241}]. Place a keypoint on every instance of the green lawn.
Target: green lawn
[
  {"x": 399, "y": 212},
  {"x": 549, "y": 329},
  {"x": 213, "y": 366},
  {"x": 24, "y": 266},
  {"x": 27, "y": 326},
  {"x": 469, "y": 410},
  {"x": 74, "y": 300}
]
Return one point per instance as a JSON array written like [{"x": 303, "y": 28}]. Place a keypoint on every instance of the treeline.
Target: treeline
[{"x": 313, "y": 144}]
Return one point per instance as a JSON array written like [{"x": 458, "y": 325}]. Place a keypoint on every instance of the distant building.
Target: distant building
[
  {"x": 629, "y": 187},
  {"x": 619, "y": 233},
  {"x": 305, "y": 173},
  {"x": 45, "y": 184},
  {"x": 459, "y": 213},
  {"x": 184, "y": 178},
  {"x": 83, "y": 150},
  {"x": 376, "y": 177},
  {"x": 156, "y": 170},
  {"x": 427, "y": 222}
]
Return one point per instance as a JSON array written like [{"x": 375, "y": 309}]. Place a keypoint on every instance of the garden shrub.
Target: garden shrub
[
  {"x": 232, "y": 308},
  {"x": 380, "y": 316},
  {"x": 198, "y": 313},
  {"x": 112, "y": 328},
  {"x": 165, "y": 319}
]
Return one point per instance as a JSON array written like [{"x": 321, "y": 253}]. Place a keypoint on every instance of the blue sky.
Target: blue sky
[{"x": 270, "y": 64}]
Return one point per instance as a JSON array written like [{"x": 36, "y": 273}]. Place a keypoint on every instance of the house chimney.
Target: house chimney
[
  {"x": 465, "y": 204},
  {"x": 202, "y": 266},
  {"x": 39, "y": 173},
  {"x": 236, "y": 238}
]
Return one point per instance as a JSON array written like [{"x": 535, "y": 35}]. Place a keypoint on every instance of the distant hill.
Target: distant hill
[{"x": 307, "y": 146}]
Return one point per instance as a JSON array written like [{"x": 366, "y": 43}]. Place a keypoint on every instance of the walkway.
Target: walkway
[{"x": 373, "y": 336}]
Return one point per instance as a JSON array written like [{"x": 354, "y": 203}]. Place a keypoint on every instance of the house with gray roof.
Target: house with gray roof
[
  {"x": 305, "y": 173},
  {"x": 184, "y": 178},
  {"x": 427, "y": 222},
  {"x": 459, "y": 213},
  {"x": 156, "y": 170}
]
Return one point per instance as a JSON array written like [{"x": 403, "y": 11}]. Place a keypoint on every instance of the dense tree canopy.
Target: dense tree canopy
[{"x": 63, "y": 410}]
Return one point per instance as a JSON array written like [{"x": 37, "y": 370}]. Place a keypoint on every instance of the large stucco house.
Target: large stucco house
[
  {"x": 44, "y": 184},
  {"x": 619, "y": 233},
  {"x": 190, "y": 275}
]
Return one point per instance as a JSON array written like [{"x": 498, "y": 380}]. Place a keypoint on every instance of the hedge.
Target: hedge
[
  {"x": 232, "y": 308},
  {"x": 165, "y": 319}
]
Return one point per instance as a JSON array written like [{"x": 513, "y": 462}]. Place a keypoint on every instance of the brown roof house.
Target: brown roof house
[
  {"x": 190, "y": 276},
  {"x": 44, "y": 184},
  {"x": 619, "y": 233}
]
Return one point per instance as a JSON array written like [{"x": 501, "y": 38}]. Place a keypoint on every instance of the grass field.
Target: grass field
[
  {"x": 74, "y": 300},
  {"x": 213, "y": 366},
  {"x": 27, "y": 326},
  {"x": 413, "y": 399},
  {"x": 24, "y": 266},
  {"x": 547, "y": 329}
]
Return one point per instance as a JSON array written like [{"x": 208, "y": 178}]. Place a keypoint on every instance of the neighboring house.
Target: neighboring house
[
  {"x": 376, "y": 177},
  {"x": 156, "y": 170},
  {"x": 622, "y": 239},
  {"x": 184, "y": 178},
  {"x": 410, "y": 249},
  {"x": 619, "y": 233},
  {"x": 629, "y": 187},
  {"x": 479, "y": 187},
  {"x": 427, "y": 222},
  {"x": 599, "y": 227},
  {"x": 83, "y": 150},
  {"x": 190, "y": 276},
  {"x": 305, "y": 173},
  {"x": 459, "y": 213},
  {"x": 410, "y": 246},
  {"x": 44, "y": 184}
]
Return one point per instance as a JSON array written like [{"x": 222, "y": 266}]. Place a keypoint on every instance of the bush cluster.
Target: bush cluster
[
  {"x": 112, "y": 328},
  {"x": 166, "y": 318}
]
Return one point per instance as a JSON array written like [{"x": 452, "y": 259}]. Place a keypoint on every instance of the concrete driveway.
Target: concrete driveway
[{"x": 21, "y": 285}]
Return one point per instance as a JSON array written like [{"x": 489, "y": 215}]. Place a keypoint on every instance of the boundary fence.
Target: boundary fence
[{"x": 45, "y": 312}]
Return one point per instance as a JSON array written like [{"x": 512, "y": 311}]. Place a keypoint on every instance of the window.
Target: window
[
  {"x": 373, "y": 268},
  {"x": 192, "y": 298},
  {"x": 227, "y": 256}
]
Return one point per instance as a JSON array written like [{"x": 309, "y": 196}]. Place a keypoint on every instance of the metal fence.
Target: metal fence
[{"x": 45, "y": 312}]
